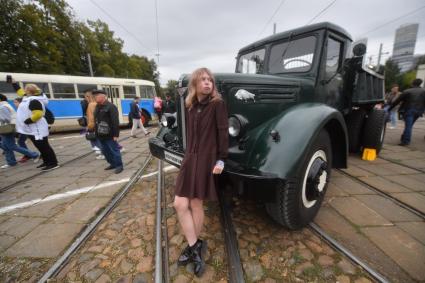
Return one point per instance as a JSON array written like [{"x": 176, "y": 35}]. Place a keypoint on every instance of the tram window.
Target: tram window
[
  {"x": 83, "y": 87},
  {"x": 129, "y": 91},
  {"x": 43, "y": 86},
  {"x": 143, "y": 91},
  {"x": 150, "y": 92},
  {"x": 7, "y": 89},
  {"x": 63, "y": 91}
]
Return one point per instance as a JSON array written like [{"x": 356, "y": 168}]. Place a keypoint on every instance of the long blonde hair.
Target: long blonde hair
[
  {"x": 191, "y": 98},
  {"x": 32, "y": 89}
]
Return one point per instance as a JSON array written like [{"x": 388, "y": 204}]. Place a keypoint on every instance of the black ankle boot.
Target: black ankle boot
[
  {"x": 184, "y": 257},
  {"x": 197, "y": 257}
]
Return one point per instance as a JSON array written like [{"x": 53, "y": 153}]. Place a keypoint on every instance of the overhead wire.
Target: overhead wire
[
  {"x": 123, "y": 27},
  {"x": 321, "y": 12},
  {"x": 271, "y": 18},
  {"x": 393, "y": 20}
]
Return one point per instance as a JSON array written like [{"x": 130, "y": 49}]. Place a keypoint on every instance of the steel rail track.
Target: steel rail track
[
  {"x": 385, "y": 195},
  {"x": 340, "y": 248},
  {"x": 63, "y": 260},
  {"x": 401, "y": 164},
  {"x": 8, "y": 187}
]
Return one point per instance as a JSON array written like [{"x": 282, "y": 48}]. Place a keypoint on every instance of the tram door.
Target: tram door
[{"x": 113, "y": 93}]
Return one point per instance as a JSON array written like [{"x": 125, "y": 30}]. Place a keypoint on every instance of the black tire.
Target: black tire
[
  {"x": 374, "y": 129},
  {"x": 355, "y": 122},
  {"x": 289, "y": 208}
]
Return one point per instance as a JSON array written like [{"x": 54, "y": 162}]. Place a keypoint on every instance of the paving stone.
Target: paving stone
[
  {"x": 402, "y": 248},
  {"x": 81, "y": 211},
  {"x": 350, "y": 187},
  {"x": 104, "y": 278},
  {"x": 415, "y": 200},
  {"x": 181, "y": 279},
  {"x": 302, "y": 267},
  {"x": 306, "y": 254},
  {"x": 86, "y": 267},
  {"x": 177, "y": 240},
  {"x": 409, "y": 181},
  {"x": 362, "y": 280},
  {"x": 357, "y": 172},
  {"x": 93, "y": 274},
  {"x": 385, "y": 185},
  {"x": 387, "y": 208},
  {"x": 414, "y": 229},
  {"x": 19, "y": 226},
  {"x": 357, "y": 212},
  {"x": 325, "y": 260},
  {"x": 6, "y": 241},
  {"x": 141, "y": 278},
  {"x": 51, "y": 239},
  {"x": 253, "y": 270},
  {"x": 343, "y": 279},
  {"x": 145, "y": 264},
  {"x": 346, "y": 267},
  {"x": 334, "y": 191},
  {"x": 124, "y": 279}
]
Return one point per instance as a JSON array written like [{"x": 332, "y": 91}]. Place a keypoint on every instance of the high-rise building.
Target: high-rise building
[{"x": 404, "y": 46}]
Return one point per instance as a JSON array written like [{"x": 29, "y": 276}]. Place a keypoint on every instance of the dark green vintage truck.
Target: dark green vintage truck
[{"x": 298, "y": 103}]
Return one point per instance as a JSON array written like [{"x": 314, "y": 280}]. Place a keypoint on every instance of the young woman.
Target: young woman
[{"x": 207, "y": 146}]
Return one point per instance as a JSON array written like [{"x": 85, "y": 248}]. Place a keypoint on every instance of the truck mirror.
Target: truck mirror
[{"x": 359, "y": 49}]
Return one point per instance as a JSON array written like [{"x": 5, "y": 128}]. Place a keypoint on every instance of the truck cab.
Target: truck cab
[{"x": 298, "y": 102}]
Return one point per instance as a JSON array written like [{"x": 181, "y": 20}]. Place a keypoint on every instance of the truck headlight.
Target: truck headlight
[{"x": 237, "y": 125}]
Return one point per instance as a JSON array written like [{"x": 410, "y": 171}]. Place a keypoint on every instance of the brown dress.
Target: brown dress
[{"x": 207, "y": 142}]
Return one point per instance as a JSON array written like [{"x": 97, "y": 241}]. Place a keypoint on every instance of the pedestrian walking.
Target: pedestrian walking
[
  {"x": 389, "y": 99},
  {"x": 8, "y": 116},
  {"x": 207, "y": 147},
  {"x": 168, "y": 106},
  {"x": 157, "y": 105},
  {"x": 107, "y": 130},
  {"x": 413, "y": 100},
  {"x": 21, "y": 137},
  {"x": 90, "y": 131},
  {"x": 30, "y": 121},
  {"x": 135, "y": 116}
]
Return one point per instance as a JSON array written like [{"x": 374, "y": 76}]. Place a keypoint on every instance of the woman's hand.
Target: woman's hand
[{"x": 217, "y": 169}]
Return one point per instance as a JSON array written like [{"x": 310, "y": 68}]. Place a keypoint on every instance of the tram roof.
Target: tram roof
[{"x": 44, "y": 78}]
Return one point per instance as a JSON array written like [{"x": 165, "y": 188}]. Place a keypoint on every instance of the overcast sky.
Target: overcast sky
[{"x": 195, "y": 33}]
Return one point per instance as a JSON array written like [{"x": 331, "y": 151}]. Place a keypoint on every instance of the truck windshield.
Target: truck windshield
[
  {"x": 297, "y": 58},
  {"x": 251, "y": 63}
]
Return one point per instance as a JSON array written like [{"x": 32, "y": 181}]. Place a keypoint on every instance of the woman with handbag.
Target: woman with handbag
[
  {"x": 7, "y": 132},
  {"x": 90, "y": 134}
]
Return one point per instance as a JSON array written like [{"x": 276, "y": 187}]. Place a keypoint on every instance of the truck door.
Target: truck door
[
  {"x": 331, "y": 77},
  {"x": 114, "y": 97}
]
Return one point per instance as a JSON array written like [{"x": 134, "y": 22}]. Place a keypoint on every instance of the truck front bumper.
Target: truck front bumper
[{"x": 250, "y": 183}]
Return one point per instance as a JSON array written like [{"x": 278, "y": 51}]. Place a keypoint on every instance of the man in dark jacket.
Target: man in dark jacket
[
  {"x": 414, "y": 105},
  {"x": 135, "y": 116},
  {"x": 107, "y": 130},
  {"x": 169, "y": 105}
]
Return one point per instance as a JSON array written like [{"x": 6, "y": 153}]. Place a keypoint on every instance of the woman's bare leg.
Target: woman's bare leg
[
  {"x": 197, "y": 207},
  {"x": 181, "y": 204}
]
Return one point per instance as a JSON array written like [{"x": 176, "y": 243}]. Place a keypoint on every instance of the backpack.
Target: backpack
[{"x": 48, "y": 115}]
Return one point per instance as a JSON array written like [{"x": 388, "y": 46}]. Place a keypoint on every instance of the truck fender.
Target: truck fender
[{"x": 298, "y": 128}]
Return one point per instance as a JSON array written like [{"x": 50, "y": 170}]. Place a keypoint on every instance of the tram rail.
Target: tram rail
[
  {"x": 384, "y": 194},
  {"x": 80, "y": 240},
  {"x": 10, "y": 186}
]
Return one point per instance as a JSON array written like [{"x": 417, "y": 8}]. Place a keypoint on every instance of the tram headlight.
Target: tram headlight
[{"x": 237, "y": 125}]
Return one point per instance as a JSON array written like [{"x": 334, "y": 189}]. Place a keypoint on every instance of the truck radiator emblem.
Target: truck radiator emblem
[{"x": 244, "y": 95}]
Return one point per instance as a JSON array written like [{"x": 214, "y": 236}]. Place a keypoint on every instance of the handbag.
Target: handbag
[
  {"x": 90, "y": 136},
  {"x": 82, "y": 121},
  {"x": 103, "y": 129},
  {"x": 6, "y": 129}
]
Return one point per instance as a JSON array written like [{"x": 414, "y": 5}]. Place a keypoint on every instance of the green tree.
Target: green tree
[
  {"x": 392, "y": 74},
  {"x": 171, "y": 87}
]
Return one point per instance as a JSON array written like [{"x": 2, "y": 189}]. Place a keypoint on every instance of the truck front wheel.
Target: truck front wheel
[{"x": 297, "y": 203}]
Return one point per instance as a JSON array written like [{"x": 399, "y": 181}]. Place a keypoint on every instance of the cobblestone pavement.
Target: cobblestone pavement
[{"x": 39, "y": 218}]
